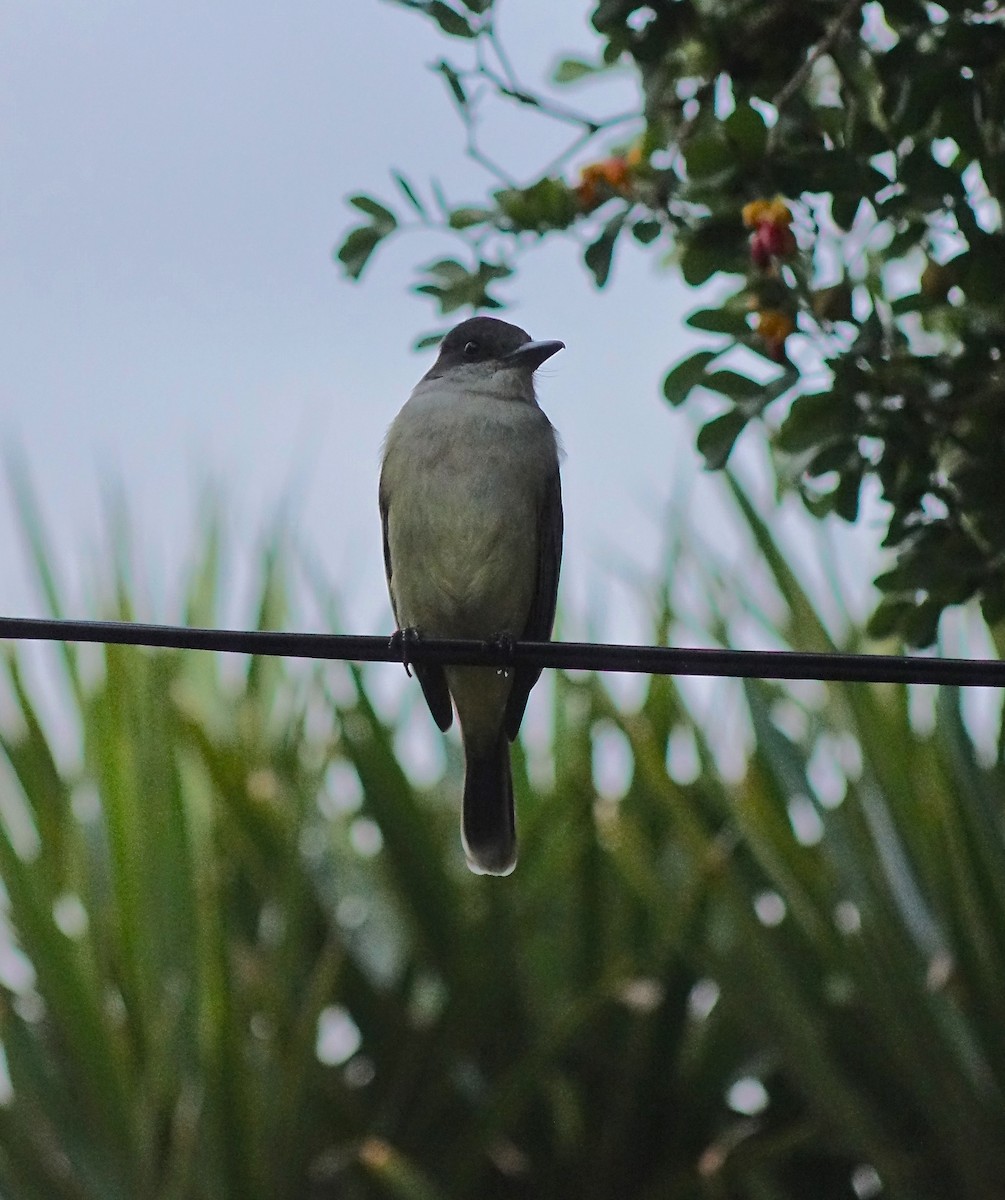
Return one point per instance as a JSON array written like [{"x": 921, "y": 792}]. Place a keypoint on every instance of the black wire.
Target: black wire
[{"x": 579, "y": 656}]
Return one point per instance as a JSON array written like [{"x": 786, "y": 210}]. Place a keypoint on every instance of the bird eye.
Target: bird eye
[{"x": 471, "y": 349}]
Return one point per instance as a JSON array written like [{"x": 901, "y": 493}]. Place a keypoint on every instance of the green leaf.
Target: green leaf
[
  {"x": 733, "y": 385},
  {"x": 843, "y": 499},
  {"x": 993, "y": 602},
  {"x": 846, "y": 495},
  {"x": 569, "y": 70},
  {"x": 717, "y": 438},
  {"x": 448, "y": 269},
  {"x": 427, "y": 887},
  {"x": 453, "y": 82},
  {"x": 597, "y": 256},
  {"x": 686, "y": 375},
  {"x": 428, "y": 339},
  {"x": 957, "y": 119},
  {"x": 888, "y": 617},
  {"x": 716, "y": 245},
  {"x": 355, "y": 251},
  {"x": 813, "y": 420},
  {"x": 920, "y": 626},
  {"x": 833, "y": 303},
  {"x": 477, "y": 6},
  {"x": 546, "y": 205},
  {"x": 844, "y": 207},
  {"x": 40, "y": 555},
  {"x": 709, "y": 154},
  {"x": 449, "y": 20},
  {"x": 465, "y": 218},
  {"x": 454, "y": 286},
  {"x": 646, "y": 231},
  {"x": 719, "y": 320},
  {"x": 383, "y": 219},
  {"x": 984, "y": 269},
  {"x": 835, "y": 454},
  {"x": 409, "y": 192},
  {"x": 747, "y": 133}
]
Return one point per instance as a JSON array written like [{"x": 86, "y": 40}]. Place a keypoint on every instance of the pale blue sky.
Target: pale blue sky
[{"x": 173, "y": 183}]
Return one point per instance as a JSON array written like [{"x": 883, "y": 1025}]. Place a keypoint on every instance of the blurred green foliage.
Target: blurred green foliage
[
  {"x": 242, "y": 957},
  {"x": 881, "y": 124}
]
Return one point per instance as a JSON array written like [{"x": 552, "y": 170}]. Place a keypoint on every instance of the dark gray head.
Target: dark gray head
[{"x": 490, "y": 345}]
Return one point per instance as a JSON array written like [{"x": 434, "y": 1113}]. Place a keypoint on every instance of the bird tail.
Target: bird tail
[{"x": 488, "y": 828}]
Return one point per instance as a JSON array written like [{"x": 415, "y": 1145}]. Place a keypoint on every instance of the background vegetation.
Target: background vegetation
[{"x": 244, "y": 958}]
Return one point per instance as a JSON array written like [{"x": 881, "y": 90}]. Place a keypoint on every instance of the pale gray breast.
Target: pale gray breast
[{"x": 464, "y": 479}]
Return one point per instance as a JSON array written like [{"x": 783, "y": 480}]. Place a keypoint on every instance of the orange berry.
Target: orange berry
[
  {"x": 778, "y": 212},
  {"x": 773, "y": 323},
  {"x": 636, "y": 155},
  {"x": 754, "y": 213},
  {"x": 614, "y": 172},
  {"x": 773, "y": 327},
  {"x": 586, "y": 193}
]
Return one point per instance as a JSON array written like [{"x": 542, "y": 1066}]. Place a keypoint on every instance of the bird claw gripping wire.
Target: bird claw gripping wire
[
  {"x": 502, "y": 645},
  {"x": 402, "y": 642}
]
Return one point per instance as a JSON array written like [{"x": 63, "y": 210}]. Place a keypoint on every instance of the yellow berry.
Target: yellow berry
[
  {"x": 754, "y": 212},
  {"x": 778, "y": 212}
]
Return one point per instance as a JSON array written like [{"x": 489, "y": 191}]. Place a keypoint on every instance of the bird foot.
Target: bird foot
[
  {"x": 402, "y": 641},
  {"x": 503, "y": 645}
]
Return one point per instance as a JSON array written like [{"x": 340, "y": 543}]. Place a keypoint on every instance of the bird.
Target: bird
[{"x": 471, "y": 512}]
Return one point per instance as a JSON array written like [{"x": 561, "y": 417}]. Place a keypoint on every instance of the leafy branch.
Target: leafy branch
[
  {"x": 849, "y": 175},
  {"x": 488, "y": 235}
]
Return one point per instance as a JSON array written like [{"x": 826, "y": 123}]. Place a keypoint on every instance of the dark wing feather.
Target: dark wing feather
[
  {"x": 542, "y": 609},
  {"x": 387, "y": 552},
  {"x": 432, "y": 679}
]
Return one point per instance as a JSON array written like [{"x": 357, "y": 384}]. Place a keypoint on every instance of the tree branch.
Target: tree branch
[{"x": 824, "y": 46}]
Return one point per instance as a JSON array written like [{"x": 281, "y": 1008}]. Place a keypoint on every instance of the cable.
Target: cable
[{"x": 571, "y": 656}]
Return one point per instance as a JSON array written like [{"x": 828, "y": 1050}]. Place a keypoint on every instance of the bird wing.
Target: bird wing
[
  {"x": 432, "y": 679},
  {"x": 542, "y": 609}
]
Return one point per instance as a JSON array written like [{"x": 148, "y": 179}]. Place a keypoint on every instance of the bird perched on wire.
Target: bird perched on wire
[{"x": 471, "y": 507}]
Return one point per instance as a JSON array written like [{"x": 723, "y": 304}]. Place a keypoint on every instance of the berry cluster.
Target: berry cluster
[
  {"x": 597, "y": 181},
  {"x": 771, "y": 243}
]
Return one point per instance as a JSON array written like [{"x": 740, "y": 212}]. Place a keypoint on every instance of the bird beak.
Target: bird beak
[{"x": 532, "y": 354}]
